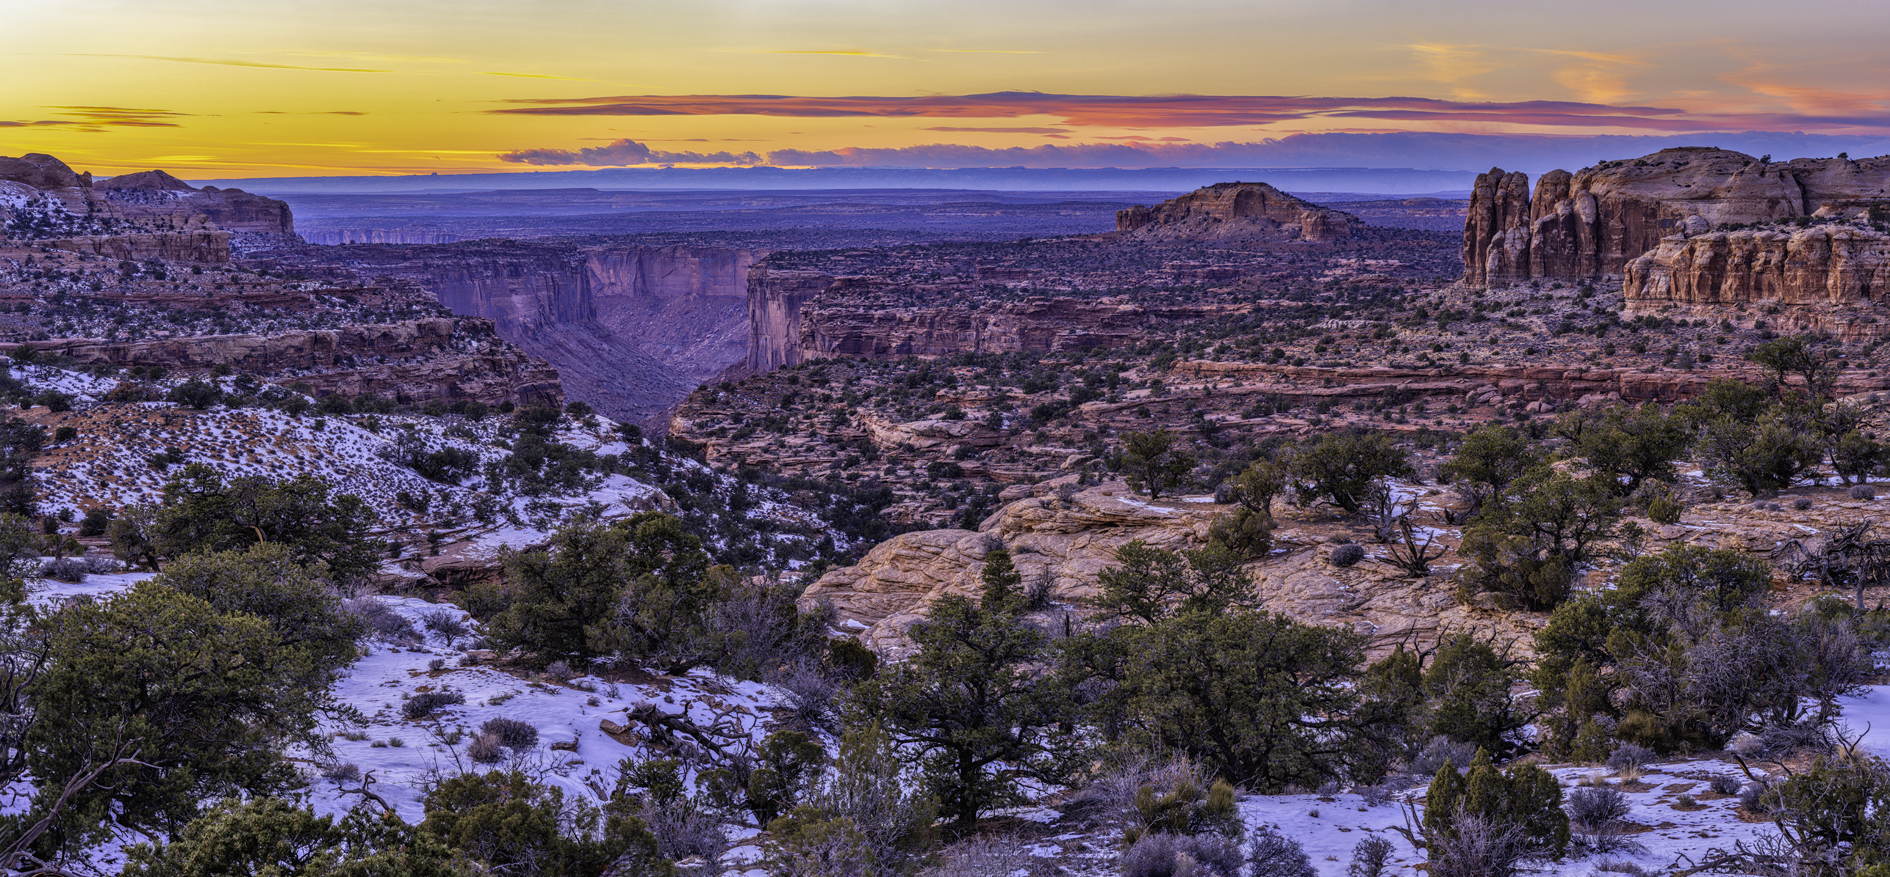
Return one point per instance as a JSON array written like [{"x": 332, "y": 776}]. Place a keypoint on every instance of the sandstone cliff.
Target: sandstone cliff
[
  {"x": 1594, "y": 222},
  {"x": 1236, "y": 212},
  {"x": 686, "y": 306},
  {"x": 631, "y": 329},
  {"x": 147, "y": 215},
  {"x": 1809, "y": 278},
  {"x": 795, "y": 316}
]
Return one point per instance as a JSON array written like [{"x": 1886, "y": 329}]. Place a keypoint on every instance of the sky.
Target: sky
[{"x": 267, "y": 88}]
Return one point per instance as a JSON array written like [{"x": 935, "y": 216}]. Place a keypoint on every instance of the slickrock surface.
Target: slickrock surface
[{"x": 1074, "y": 540}]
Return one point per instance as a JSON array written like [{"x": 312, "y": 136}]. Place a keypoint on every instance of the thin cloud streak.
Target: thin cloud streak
[
  {"x": 533, "y": 76},
  {"x": 1379, "y": 150},
  {"x": 227, "y": 62},
  {"x": 1189, "y": 110}
]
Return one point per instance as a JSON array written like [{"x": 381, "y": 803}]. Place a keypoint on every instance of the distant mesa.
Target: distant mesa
[
  {"x": 150, "y": 181},
  {"x": 1236, "y": 212}
]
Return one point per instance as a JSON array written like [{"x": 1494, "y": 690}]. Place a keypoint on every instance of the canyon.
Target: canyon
[{"x": 631, "y": 329}]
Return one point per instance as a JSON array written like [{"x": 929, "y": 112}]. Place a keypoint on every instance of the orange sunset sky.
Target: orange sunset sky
[{"x": 212, "y": 88}]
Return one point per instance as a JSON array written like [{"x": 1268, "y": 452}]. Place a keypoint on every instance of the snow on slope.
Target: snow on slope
[
  {"x": 570, "y": 713},
  {"x": 1678, "y": 817},
  {"x": 565, "y": 714}
]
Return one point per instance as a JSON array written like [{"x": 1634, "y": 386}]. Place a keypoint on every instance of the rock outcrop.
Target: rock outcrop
[
  {"x": 897, "y": 582},
  {"x": 1236, "y": 212},
  {"x": 1595, "y": 222},
  {"x": 146, "y": 215},
  {"x": 1826, "y": 277},
  {"x": 1073, "y": 540},
  {"x": 43, "y": 172}
]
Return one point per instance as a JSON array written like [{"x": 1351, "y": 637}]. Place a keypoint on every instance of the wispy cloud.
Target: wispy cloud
[
  {"x": 847, "y": 53},
  {"x": 533, "y": 76},
  {"x": 119, "y": 117},
  {"x": 1204, "y": 111},
  {"x": 1087, "y": 110},
  {"x": 954, "y": 128},
  {"x": 227, "y": 62}
]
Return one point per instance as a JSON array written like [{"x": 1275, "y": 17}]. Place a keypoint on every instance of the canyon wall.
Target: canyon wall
[
  {"x": 795, "y": 316},
  {"x": 686, "y": 306},
  {"x": 336, "y": 236},
  {"x": 1595, "y": 222},
  {"x": 631, "y": 329},
  {"x": 1235, "y": 211},
  {"x": 1831, "y": 277},
  {"x": 444, "y": 358}
]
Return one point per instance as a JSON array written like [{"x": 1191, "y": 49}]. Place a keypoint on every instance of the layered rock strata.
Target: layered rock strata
[
  {"x": 1828, "y": 277},
  {"x": 795, "y": 316},
  {"x": 1593, "y": 223},
  {"x": 146, "y": 215}
]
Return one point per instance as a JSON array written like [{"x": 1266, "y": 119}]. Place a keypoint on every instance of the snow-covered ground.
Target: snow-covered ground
[
  {"x": 1676, "y": 816},
  {"x": 566, "y": 714},
  {"x": 399, "y": 756}
]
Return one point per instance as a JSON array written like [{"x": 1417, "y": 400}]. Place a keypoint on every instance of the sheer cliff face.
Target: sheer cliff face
[
  {"x": 1823, "y": 277},
  {"x": 1235, "y": 211},
  {"x": 1595, "y": 222},
  {"x": 686, "y": 306},
  {"x": 796, "y": 316},
  {"x": 631, "y": 329}
]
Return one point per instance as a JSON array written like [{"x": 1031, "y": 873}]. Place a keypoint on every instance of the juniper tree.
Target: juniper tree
[
  {"x": 970, "y": 704},
  {"x": 1153, "y": 463},
  {"x": 1343, "y": 468}
]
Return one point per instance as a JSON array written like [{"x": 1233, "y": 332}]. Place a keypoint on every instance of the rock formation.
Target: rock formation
[
  {"x": 795, "y": 316},
  {"x": 1808, "y": 278},
  {"x": 146, "y": 215},
  {"x": 1236, "y": 212},
  {"x": 1593, "y": 223},
  {"x": 1072, "y": 540}
]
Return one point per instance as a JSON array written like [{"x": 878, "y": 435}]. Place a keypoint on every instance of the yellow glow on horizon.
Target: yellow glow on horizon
[{"x": 236, "y": 89}]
